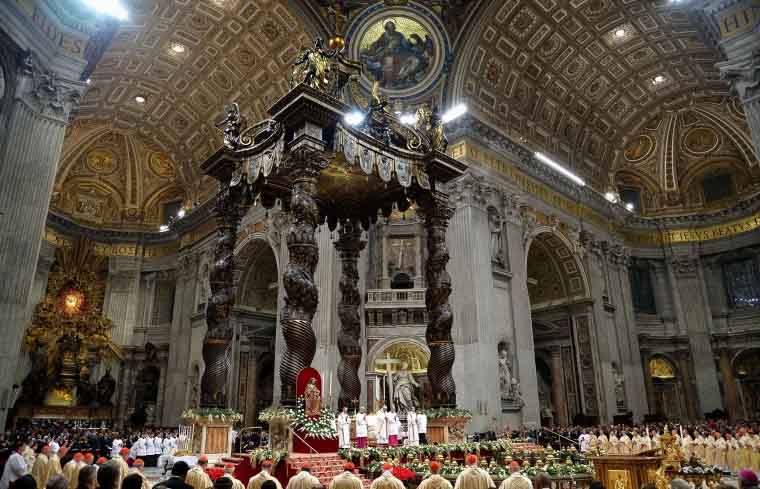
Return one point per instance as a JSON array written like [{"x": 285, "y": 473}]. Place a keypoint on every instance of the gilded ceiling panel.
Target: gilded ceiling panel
[{"x": 585, "y": 72}]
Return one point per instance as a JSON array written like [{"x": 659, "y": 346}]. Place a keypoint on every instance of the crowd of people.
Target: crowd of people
[{"x": 61, "y": 455}]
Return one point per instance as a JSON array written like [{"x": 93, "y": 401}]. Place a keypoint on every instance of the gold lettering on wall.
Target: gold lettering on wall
[
  {"x": 485, "y": 158},
  {"x": 71, "y": 44}
]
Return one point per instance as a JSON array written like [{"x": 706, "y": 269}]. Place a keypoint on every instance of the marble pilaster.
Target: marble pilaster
[
  {"x": 122, "y": 298},
  {"x": 695, "y": 319},
  {"x": 180, "y": 337},
  {"x": 558, "y": 397},
  {"x": 34, "y": 130},
  {"x": 729, "y": 384}
]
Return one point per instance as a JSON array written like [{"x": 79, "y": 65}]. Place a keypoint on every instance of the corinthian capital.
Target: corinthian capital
[
  {"x": 46, "y": 92},
  {"x": 468, "y": 190},
  {"x": 743, "y": 73}
]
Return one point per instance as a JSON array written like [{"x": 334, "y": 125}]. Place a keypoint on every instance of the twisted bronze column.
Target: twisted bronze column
[
  {"x": 438, "y": 334},
  {"x": 218, "y": 341},
  {"x": 349, "y": 246},
  {"x": 301, "y": 297}
]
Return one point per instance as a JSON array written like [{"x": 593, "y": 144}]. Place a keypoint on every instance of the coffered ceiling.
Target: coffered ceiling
[
  {"x": 175, "y": 64},
  {"x": 574, "y": 77}
]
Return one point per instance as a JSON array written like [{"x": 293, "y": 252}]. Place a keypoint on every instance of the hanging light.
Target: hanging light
[{"x": 354, "y": 118}]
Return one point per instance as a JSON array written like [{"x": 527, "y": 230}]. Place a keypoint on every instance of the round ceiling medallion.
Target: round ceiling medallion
[
  {"x": 404, "y": 49},
  {"x": 102, "y": 161},
  {"x": 161, "y": 165},
  {"x": 639, "y": 149},
  {"x": 701, "y": 140}
]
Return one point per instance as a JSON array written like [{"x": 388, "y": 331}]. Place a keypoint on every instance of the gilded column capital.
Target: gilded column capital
[{"x": 45, "y": 91}]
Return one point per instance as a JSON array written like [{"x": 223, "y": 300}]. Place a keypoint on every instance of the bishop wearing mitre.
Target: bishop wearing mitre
[
  {"x": 344, "y": 429},
  {"x": 382, "y": 426}
]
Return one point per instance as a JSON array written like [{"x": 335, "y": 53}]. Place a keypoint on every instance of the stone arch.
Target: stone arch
[
  {"x": 745, "y": 367},
  {"x": 668, "y": 394},
  {"x": 380, "y": 347},
  {"x": 550, "y": 253},
  {"x": 254, "y": 257}
]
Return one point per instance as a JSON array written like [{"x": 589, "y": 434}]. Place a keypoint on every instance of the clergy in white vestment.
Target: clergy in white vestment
[
  {"x": 362, "y": 430},
  {"x": 422, "y": 427},
  {"x": 473, "y": 477},
  {"x": 304, "y": 479},
  {"x": 382, "y": 426},
  {"x": 344, "y": 429},
  {"x": 411, "y": 423},
  {"x": 394, "y": 427},
  {"x": 15, "y": 466}
]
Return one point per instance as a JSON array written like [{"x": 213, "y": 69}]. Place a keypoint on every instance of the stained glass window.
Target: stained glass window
[
  {"x": 742, "y": 282},
  {"x": 642, "y": 290}
]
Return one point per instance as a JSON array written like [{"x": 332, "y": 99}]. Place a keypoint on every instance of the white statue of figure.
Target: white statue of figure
[
  {"x": 497, "y": 241},
  {"x": 505, "y": 371},
  {"x": 403, "y": 389}
]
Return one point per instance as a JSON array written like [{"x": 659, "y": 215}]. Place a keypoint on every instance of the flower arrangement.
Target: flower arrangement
[
  {"x": 316, "y": 427},
  {"x": 211, "y": 414},
  {"x": 436, "y": 413},
  {"x": 261, "y": 454}
]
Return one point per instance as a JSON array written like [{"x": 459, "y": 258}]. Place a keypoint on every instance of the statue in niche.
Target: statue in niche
[
  {"x": 312, "y": 398},
  {"x": 106, "y": 388},
  {"x": 403, "y": 389},
  {"x": 505, "y": 370},
  {"x": 497, "y": 238},
  {"x": 619, "y": 388}
]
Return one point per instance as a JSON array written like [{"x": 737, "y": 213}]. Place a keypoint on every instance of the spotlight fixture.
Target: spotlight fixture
[
  {"x": 658, "y": 79},
  {"x": 559, "y": 168},
  {"x": 178, "y": 48},
  {"x": 620, "y": 33},
  {"x": 163, "y": 228},
  {"x": 88, "y": 81},
  {"x": 629, "y": 206},
  {"x": 611, "y": 197},
  {"x": 354, "y": 118},
  {"x": 112, "y": 8},
  {"x": 181, "y": 213},
  {"x": 453, "y": 113},
  {"x": 140, "y": 99}
]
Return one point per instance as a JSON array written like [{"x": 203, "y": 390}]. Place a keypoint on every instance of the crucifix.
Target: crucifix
[{"x": 388, "y": 363}]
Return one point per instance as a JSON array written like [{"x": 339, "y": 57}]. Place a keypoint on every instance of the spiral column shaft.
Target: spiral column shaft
[
  {"x": 218, "y": 340},
  {"x": 438, "y": 334},
  {"x": 301, "y": 295},
  {"x": 349, "y": 246}
]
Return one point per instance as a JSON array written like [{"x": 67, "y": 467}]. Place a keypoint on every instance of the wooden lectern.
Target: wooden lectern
[{"x": 626, "y": 471}]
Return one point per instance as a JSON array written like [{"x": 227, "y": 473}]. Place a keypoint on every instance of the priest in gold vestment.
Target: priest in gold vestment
[
  {"x": 473, "y": 477},
  {"x": 435, "y": 480},
  {"x": 41, "y": 467},
  {"x": 304, "y": 479},
  {"x": 229, "y": 470},
  {"x": 347, "y": 479},
  {"x": 197, "y": 476},
  {"x": 387, "y": 480},
  {"x": 263, "y": 476}
]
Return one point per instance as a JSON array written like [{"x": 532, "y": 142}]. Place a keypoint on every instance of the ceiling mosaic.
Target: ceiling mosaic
[
  {"x": 667, "y": 158},
  {"x": 574, "y": 77},
  {"x": 175, "y": 64}
]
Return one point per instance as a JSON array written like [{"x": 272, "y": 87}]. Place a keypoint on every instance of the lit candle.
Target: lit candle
[
  {"x": 377, "y": 389},
  {"x": 680, "y": 428}
]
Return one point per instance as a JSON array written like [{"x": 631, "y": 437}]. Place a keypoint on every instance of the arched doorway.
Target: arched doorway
[
  {"x": 746, "y": 367},
  {"x": 255, "y": 316},
  {"x": 669, "y": 399},
  {"x": 389, "y": 358},
  {"x": 560, "y": 312}
]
